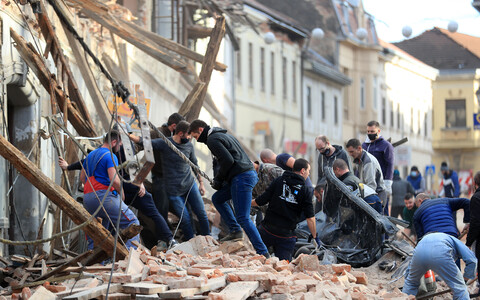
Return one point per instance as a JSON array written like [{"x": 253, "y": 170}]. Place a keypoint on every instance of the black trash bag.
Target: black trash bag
[{"x": 348, "y": 226}]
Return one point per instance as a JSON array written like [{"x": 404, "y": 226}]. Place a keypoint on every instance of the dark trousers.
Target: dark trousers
[
  {"x": 160, "y": 196},
  {"x": 396, "y": 210},
  {"x": 282, "y": 246},
  {"x": 146, "y": 205}
]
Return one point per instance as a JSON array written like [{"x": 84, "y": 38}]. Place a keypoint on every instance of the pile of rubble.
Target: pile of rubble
[{"x": 197, "y": 269}]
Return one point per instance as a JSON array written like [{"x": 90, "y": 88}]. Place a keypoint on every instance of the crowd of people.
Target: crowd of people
[{"x": 279, "y": 189}]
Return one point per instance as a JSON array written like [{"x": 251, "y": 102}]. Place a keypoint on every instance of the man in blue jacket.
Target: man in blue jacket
[
  {"x": 438, "y": 252},
  {"x": 436, "y": 215},
  {"x": 383, "y": 151}
]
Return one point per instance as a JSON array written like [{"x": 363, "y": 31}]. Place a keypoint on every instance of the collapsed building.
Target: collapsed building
[{"x": 66, "y": 67}]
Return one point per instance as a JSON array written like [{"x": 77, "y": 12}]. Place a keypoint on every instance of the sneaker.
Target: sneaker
[
  {"x": 267, "y": 255},
  {"x": 162, "y": 245},
  {"x": 233, "y": 236}
]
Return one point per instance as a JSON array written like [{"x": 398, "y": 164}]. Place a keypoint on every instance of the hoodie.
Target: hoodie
[
  {"x": 384, "y": 153},
  {"x": 231, "y": 158},
  {"x": 287, "y": 197}
]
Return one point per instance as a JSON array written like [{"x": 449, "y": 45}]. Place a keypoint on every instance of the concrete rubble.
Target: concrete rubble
[{"x": 203, "y": 269}]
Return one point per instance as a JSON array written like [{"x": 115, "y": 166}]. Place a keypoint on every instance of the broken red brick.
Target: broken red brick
[
  {"x": 360, "y": 276},
  {"x": 338, "y": 268}
]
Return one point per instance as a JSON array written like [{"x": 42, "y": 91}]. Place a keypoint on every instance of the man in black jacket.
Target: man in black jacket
[
  {"x": 474, "y": 230},
  {"x": 234, "y": 180},
  {"x": 287, "y": 197}
]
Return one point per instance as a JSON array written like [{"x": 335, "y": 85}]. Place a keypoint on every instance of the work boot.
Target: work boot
[
  {"x": 233, "y": 236},
  {"x": 172, "y": 243}
]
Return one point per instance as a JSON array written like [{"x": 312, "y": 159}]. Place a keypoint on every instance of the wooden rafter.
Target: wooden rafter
[
  {"x": 37, "y": 65},
  {"x": 65, "y": 77}
]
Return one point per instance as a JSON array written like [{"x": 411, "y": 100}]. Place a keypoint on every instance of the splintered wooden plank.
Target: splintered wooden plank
[
  {"x": 144, "y": 288},
  {"x": 206, "y": 72},
  {"x": 240, "y": 290},
  {"x": 96, "y": 292},
  {"x": 134, "y": 264},
  {"x": 212, "y": 284},
  {"x": 178, "y": 293}
]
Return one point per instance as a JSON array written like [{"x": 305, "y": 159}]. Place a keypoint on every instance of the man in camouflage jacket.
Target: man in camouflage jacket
[{"x": 266, "y": 175}]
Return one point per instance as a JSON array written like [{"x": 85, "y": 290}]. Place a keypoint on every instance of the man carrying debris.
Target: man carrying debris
[
  {"x": 266, "y": 173},
  {"x": 289, "y": 199},
  {"x": 341, "y": 171},
  {"x": 327, "y": 155},
  {"x": 102, "y": 184},
  {"x": 438, "y": 252},
  {"x": 436, "y": 215},
  {"x": 367, "y": 168},
  {"x": 182, "y": 187},
  {"x": 234, "y": 180},
  {"x": 159, "y": 190}
]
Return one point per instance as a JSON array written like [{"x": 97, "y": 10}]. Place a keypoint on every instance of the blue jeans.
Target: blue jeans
[
  {"x": 240, "y": 191},
  {"x": 146, "y": 205},
  {"x": 438, "y": 258},
  {"x": 111, "y": 208},
  {"x": 282, "y": 246},
  {"x": 196, "y": 203}
]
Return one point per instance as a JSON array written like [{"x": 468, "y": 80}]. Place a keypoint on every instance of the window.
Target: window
[
  {"x": 284, "y": 76},
  {"x": 384, "y": 110},
  {"x": 309, "y": 101},
  {"x": 392, "y": 116},
  {"x": 294, "y": 78},
  {"x": 239, "y": 62},
  {"x": 250, "y": 65},
  {"x": 419, "y": 126},
  {"x": 399, "y": 120},
  {"x": 262, "y": 69},
  {"x": 375, "y": 91},
  {"x": 455, "y": 113},
  {"x": 346, "y": 99},
  {"x": 362, "y": 93},
  {"x": 335, "y": 110},
  {"x": 426, "y": 124},
  {"x": 323, "y": 105},
  {"x": 411, "y": 119},
  {"x": 272, "y": 71}
]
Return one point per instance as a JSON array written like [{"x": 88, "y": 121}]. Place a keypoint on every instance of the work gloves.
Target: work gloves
[{"x": 315, "y": 240}]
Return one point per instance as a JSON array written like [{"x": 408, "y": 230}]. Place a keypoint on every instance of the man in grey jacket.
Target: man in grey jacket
[
  {"x": 328, "y": 153},
  {"x": 367, "y": 168}
]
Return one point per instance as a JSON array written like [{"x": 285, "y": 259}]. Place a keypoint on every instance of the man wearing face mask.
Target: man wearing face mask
[
  {"x": 383, "y": 151},
  {"x": 416, "y": 180},
  {"x": 178, "y": 178},
  {"x": 328, "y": 154}
]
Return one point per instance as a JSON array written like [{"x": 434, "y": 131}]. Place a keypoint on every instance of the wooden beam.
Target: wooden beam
[
  {"x": 99, "y": 234},
  {"x": 192, "y": 97},
  {"x": 101, "y": 109},
  {"x": 175, "y": 47},
  {"x": 206, "y": 72},
  {"x": 149, "y": 48},
  {"x": 74, "y": 94},
  {"x": 37, "y": 65},
  {"x": 198, "y": 32}
]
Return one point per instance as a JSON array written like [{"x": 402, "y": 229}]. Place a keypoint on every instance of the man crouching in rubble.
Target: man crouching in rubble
[
  {"x": 438, "y": 252},
  {"x": 98, "y": 175},
  {"x": 287, "y": 197}
]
